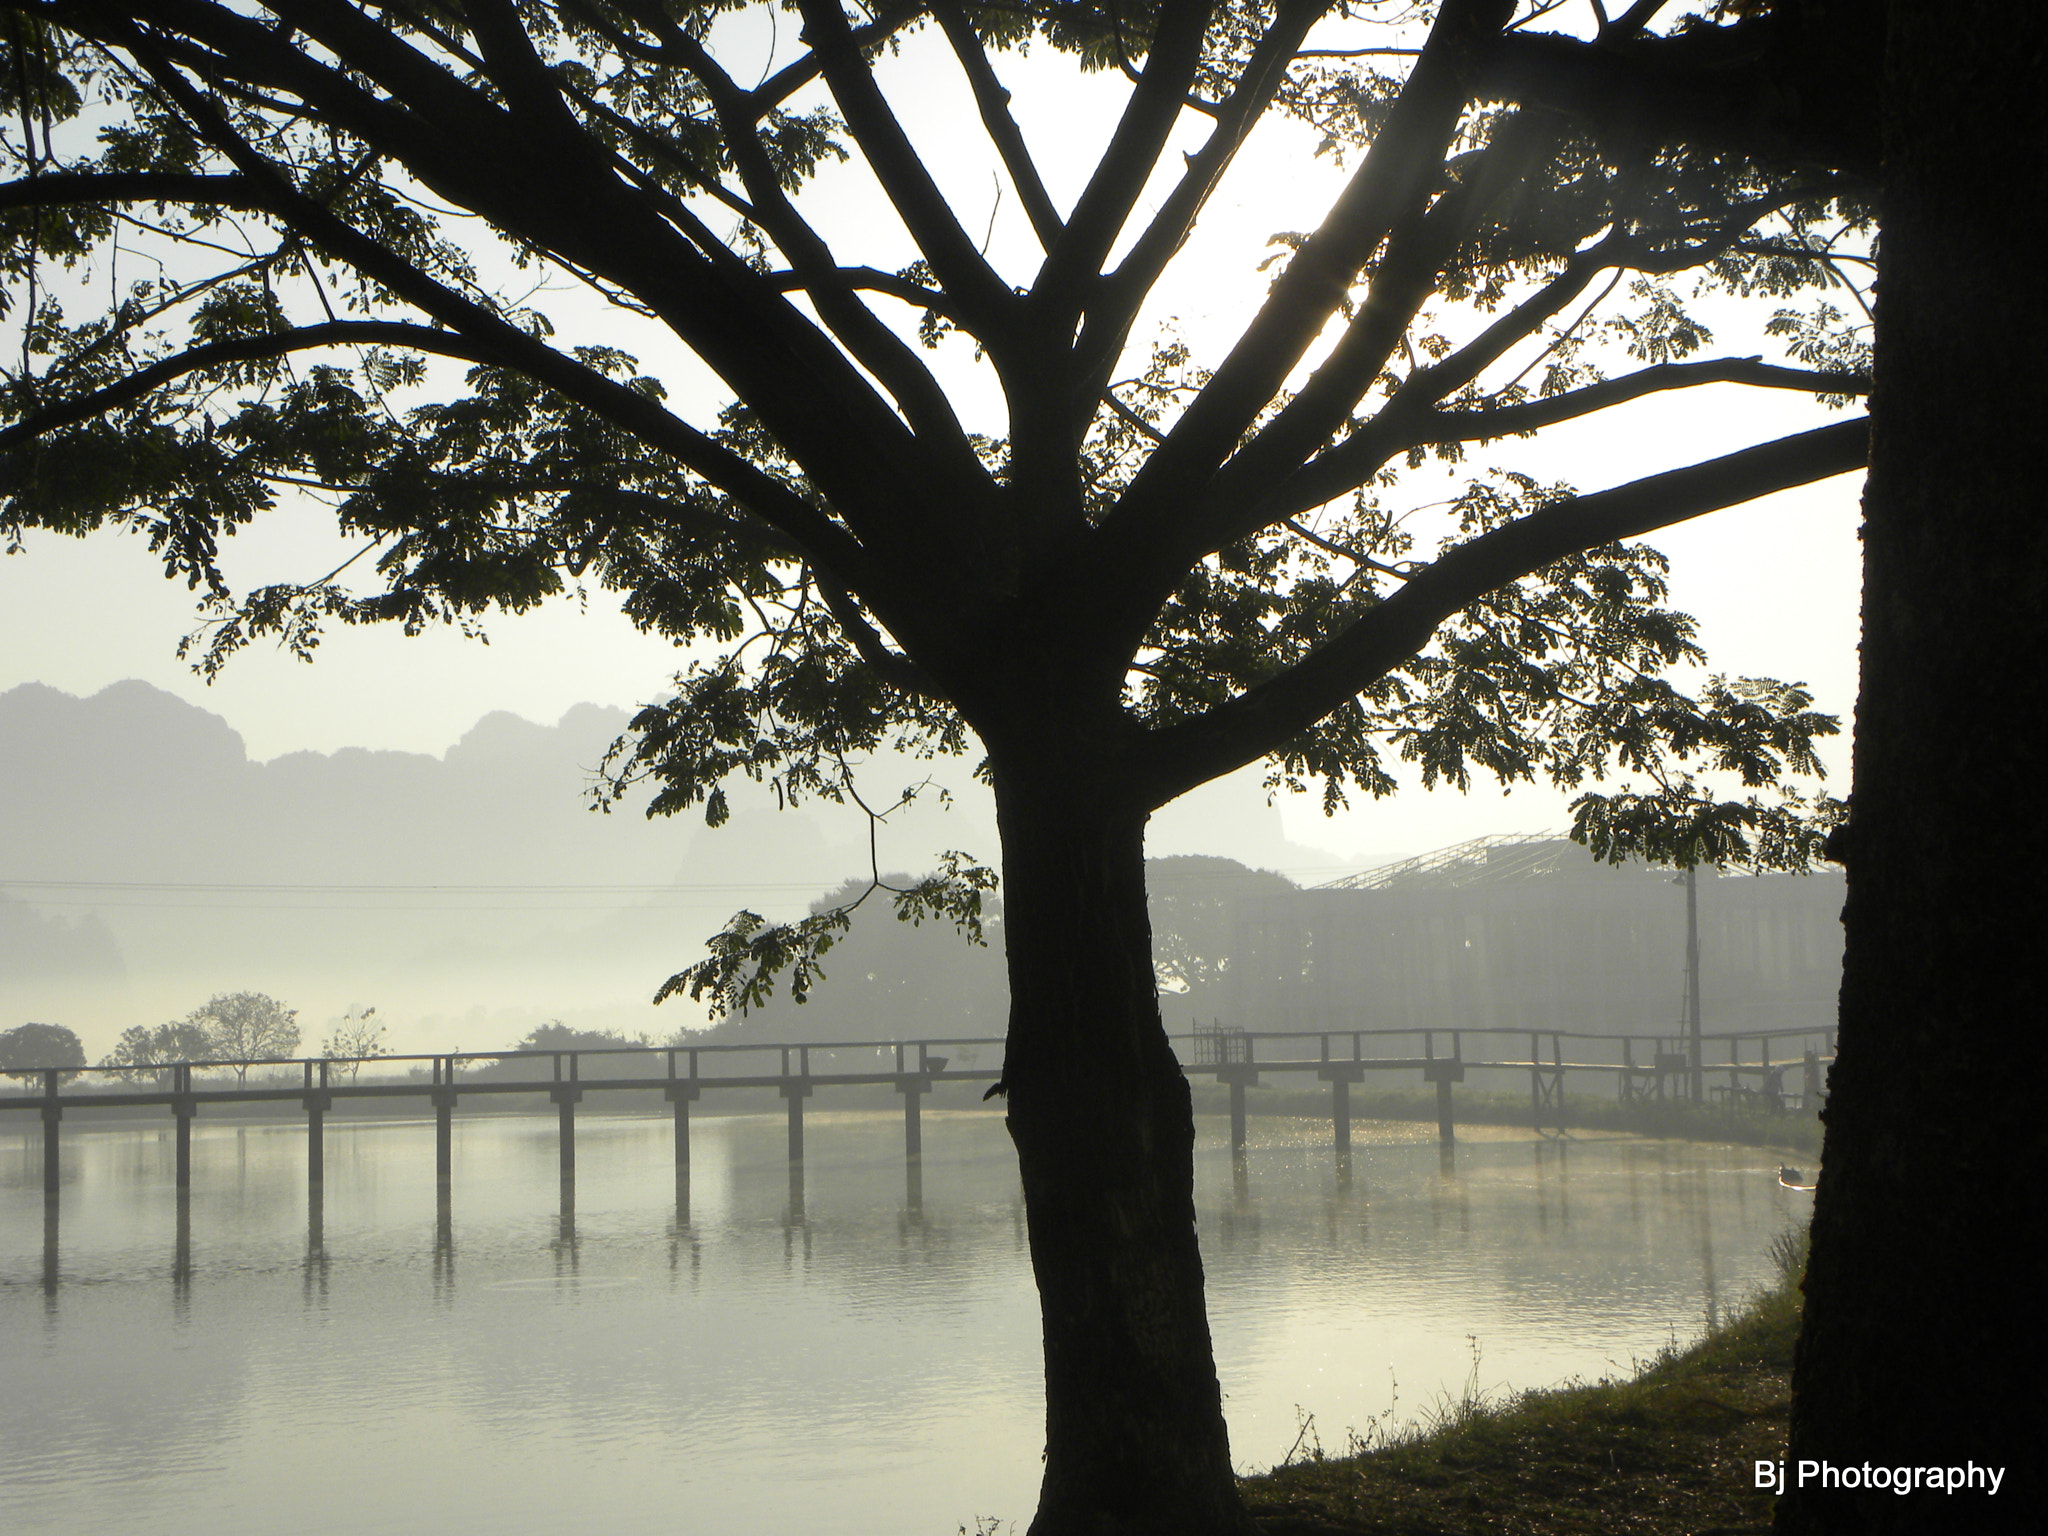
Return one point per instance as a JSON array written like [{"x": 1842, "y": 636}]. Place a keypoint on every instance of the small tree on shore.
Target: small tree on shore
[
  {"x": 144, "y": 1050},
  {"x": 29, "y": 1046},
  {"x": 246, "y": 1027},
  {"x": 357, "y": 1036}
]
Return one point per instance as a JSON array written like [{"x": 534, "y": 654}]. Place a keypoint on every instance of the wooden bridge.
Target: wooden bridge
[{"x": 1643, "y": 1067}]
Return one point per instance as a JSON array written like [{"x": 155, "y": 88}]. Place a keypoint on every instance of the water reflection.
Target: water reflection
[
  {"x": 444, "y": 1243},
  {"x": 51, "y": 1246},
  {"x": 316, "y": 1266},
  {"x": 181, "y": 1258},
  {"x": 1553, "y": 1196},
  {"x": 667, "y": 1326}
]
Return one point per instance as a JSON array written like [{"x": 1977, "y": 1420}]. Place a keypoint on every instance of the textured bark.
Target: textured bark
[
  {"x": 1104, "y": 1129},
  {"x": 1921, "y": 1341}
]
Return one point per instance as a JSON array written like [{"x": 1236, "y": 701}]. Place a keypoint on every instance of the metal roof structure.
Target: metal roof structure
[{"x": 1494, "y": 860}]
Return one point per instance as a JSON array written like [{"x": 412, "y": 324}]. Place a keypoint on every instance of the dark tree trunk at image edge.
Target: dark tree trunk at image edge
[
  {"x": 1104, "y": 1129},
  {"x": 1922, "y": 1337}
]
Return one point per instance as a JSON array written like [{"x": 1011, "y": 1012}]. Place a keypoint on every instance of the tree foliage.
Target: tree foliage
[
  {"x": 143, "y": 1048},
  {"x": 28, "y": 1046},
  {"x": 235, "y": 1029},
  {"x": 1197, "y": 903},
  {"x": 357, "y": 1036}
]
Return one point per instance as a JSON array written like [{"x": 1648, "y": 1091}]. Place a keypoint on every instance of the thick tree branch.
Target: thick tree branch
[
  {"x": 1402, "y": 426},
  {"x": 767, "y": 498},
  {"x": 243, "y": 349},
  {"x": 794, "y": 76},
  {"x": 875, "y": 280},
  {"x": 1063, "y": 284},
  {"x": 877, "y": 348},
  {"x": 1416, "y": 252},
  {"x": 960, "y": 266},
  {"x": 1263, "y": 718},
  {"x": 1394, "y": 181},
  {"x": 1533, "y": 415},
  {"x": 57, "y": 189},
  {"x": 1791, "y": 84},
  {"x": 1113, "y": 305},
  {"x": 992, "y": 101},
  {"x": 869, "y": 645}
]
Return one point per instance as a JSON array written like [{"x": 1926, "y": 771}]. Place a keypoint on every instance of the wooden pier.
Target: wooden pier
[{"x": 1758, "y": 1069}]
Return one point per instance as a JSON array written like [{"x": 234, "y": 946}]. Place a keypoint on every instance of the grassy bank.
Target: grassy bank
[{"x": 1672, "y": 1450}]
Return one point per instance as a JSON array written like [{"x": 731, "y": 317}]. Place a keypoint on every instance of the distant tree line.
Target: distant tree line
[{"x": 235, "y": 1029}]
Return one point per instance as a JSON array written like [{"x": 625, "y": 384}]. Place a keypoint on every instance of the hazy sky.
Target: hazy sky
[{"x": 1773, "y": 584}]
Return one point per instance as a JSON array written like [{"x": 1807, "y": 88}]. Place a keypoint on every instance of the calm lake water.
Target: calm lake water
[{"x": 869, "y": 1370}]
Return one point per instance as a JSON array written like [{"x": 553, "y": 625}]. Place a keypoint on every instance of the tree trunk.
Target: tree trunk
[
  {"x": 1921, "y": 1340},
  {"x": 1104, "y": 1128}
]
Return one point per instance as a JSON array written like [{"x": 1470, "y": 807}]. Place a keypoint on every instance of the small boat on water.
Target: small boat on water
[{"x": 1792, "y": 1178}]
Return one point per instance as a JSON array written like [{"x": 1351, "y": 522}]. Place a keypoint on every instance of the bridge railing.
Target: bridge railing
[
  {"x": 1735, "y": 1061},
  {"x": 1751, "y": 1052},
  {"x": 942, "y": 1058}
]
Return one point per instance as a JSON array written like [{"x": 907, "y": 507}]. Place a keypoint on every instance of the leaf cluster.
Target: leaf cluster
[{"x": 750, "y": 954}]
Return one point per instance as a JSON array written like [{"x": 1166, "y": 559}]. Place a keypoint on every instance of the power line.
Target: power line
[{"x": 494, "y": 888}]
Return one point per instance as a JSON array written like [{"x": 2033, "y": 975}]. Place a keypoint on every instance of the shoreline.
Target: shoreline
[{"x": 1669, "y": 1451}]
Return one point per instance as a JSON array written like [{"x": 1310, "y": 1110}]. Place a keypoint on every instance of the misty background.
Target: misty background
[{"x": 147, "y": 863}]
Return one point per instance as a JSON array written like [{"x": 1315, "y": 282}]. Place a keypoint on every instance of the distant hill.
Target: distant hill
[{"x": 146, "y": 863}]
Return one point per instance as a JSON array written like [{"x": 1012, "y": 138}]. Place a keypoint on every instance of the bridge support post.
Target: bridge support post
[
  {"x": 1240, "y": 1076},
  {"x": 795, "y": 1089},
  {"x": 317, "y": 1105},
  {"x": 794, "y": 1093},
  {"x": 184, "y": 1106},
  {"x": 566, "y": 1096},
  {"x": 53, "y": 1267},
  {"x": 317, "y": 1102},
  {"x": 1444, "y": 1073},
  {"x": 913, "y": 1090},
  {"x": 680, "y": 1097},
  {"x": 52, "y": 1113},
  {"x": 444, "y": 1124},
  {"x": 181, "y": 1251},
  {"x": 1340, "y": 1075},
  {"x": 913, "y": 1086}
]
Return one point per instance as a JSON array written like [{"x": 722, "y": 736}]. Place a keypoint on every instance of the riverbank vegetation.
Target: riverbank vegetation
[{"x": 1671, "y": 1449}]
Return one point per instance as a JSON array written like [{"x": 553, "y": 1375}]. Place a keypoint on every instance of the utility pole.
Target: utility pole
[{"x": 1692, "y": 981}]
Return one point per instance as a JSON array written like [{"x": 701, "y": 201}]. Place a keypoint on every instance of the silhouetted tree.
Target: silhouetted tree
[
  {"x": 557, "y": 1036},
  {"x": 1196, "y": 904},
  {"x": 357, "y": 1036},
  {"x": 1118, "y": 570},
  {"x": 41, "y": 1045},
  {"x": 141, "y": 1046},
  {"x": 243, "y": 1028}
]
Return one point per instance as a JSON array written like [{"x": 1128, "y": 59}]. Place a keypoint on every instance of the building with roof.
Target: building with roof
[{"x": 1530, "y": 932}]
